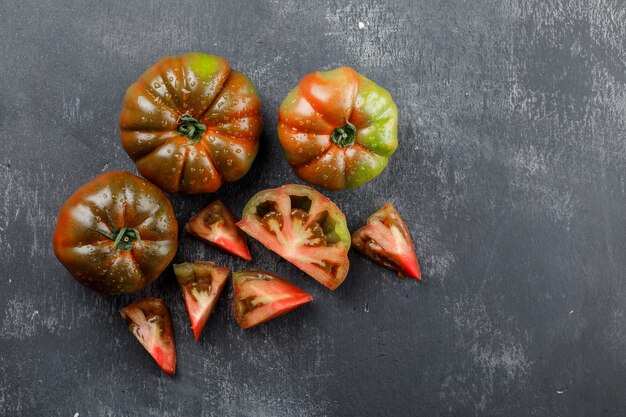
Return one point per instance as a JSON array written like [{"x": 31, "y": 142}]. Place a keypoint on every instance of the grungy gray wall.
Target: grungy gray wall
[{"x": 510, "y": 174}]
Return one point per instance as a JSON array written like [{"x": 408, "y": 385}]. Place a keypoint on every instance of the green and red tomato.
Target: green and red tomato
[{"x": 338, "y": 128}]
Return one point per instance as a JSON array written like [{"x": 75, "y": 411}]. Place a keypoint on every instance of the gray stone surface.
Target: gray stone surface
[{"x": 510, "y": 173}]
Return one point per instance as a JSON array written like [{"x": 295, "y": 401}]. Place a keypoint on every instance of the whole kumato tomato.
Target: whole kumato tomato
[
  {"x": 338, "y": 128},
  {"x": 116, "y": 234},
  {"x": 191, "y": 123}
]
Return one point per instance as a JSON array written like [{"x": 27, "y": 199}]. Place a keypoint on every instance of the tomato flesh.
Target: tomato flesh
[
  {"x": 304, "y": 227},
  {"x": 386, "y": 241},
  {"x": 215, "y": 224},
  {"x": 260, "y": 296},
  {"x": 201, "y": 284},
  {"x": 149, "y": 321}
]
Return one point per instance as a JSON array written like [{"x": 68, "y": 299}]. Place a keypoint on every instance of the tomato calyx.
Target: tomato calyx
[
  {"x": 190, "y": 127},
  {"x": 345, "y": 135},
  {"x": 123, "y": 238}
]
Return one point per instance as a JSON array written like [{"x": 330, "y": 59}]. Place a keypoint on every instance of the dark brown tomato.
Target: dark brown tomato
[
  {"x": 191, "y": 123},
  {"x": 116, "y": 234}
]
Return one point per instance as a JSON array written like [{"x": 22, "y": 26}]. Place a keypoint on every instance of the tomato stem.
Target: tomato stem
[
  {"x": 345, "y": 135},
  {"x": 190, "y": 127},
  {"x": 123, "y": 238}
]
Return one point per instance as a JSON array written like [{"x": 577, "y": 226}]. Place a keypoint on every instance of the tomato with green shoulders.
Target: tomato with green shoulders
[{"x": 338, "y": 128}]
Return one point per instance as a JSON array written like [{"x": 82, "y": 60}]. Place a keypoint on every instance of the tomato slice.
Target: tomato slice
[
  {"x": 386, "y": 240},
  {"x": 149, "y": 320},
  {"x": 215, "y": 224},
  {"x": 259, "y": 296},
  {"x": 201, "y": 284},
  {"x": 302, "y": 226}
]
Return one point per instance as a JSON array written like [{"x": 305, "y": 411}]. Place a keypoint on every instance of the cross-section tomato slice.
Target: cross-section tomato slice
[
  {"x": 302, "y": 226},
  {"x": 259, "y": 296},
  {"x": 201, "y": 284},
  {"x": 149, "y": 320},
  {"x": 386, "y": 240},
  {"x": 215, "y": 224}
]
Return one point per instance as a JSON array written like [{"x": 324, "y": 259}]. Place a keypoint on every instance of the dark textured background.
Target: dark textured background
[{"x": 510, "y": 173}]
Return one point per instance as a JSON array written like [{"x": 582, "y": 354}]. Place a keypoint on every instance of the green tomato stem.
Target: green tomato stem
[
  {"x": 345, "y": 135},
  {"x": 123, "y": 238},
  {"x": 190, "y": 127}
]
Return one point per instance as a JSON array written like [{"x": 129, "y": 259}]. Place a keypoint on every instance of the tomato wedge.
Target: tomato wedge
[
  {"x": 201, "y": 284},
  {"x": 302, "y": 226},
  {"x": 149, "y": 320},
  {"x": 259, "y": 296},
  {"x": 215, "y": 224},
  {"x": 386, "y": 240}
]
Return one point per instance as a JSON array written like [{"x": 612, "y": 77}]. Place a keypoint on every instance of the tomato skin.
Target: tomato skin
[
  {"x": 216, "y": 225},
  {"x": 302, "y": 226},
  {"x": 149, "y": 321},
  {"x": 220, "y": 100},
  {"x": 324, "y": 102},
  {"x": 386, "y": 240},
  {"x": 114, "y": 200},
  {"x": 260, "y": 296},
  {"x": 201, "y": 284}
]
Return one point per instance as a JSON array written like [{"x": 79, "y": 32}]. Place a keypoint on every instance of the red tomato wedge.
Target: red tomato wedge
[
  {"x": 260, "y": 297},
  {"x": 302, "y": 226},
  {"x": 201, "y": 284},
  {"x": 215, "y": 224},
  {"x": 149, "y": 320},
  {"x": 386, "y": 240}
]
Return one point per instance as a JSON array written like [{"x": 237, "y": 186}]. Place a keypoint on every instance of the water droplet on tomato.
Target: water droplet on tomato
[
  {"x": 229, "y": 162},
  {"x": 205, "y": 179},
  {"x": 157, "y": 85},
  {"x": 238, "y": 150}
]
